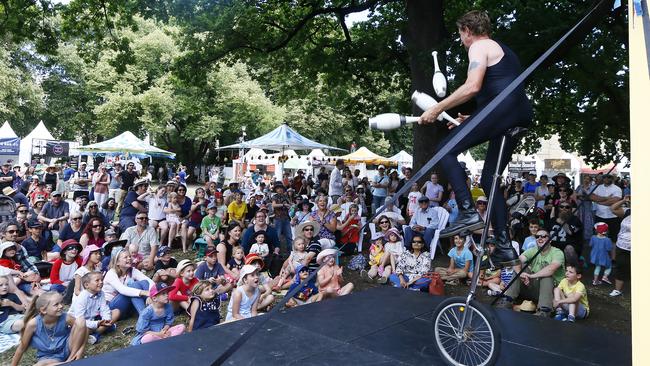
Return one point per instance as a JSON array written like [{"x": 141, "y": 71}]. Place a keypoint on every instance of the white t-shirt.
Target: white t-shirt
[
  {"x": 156, "y": 207},
  {"x": 261, "y": 249},
  {"x": 624, "y": 240},
  {"x": 604, "y": 191},
  {"x": 541, "y": 191},
  {"x": 413, "y": 198}
]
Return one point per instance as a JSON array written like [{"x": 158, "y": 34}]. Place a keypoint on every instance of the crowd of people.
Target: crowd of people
[{"x": 82, "y": 249}]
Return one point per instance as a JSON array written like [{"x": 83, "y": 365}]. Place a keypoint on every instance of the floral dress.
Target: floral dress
[{"x": 324, "y": 232}]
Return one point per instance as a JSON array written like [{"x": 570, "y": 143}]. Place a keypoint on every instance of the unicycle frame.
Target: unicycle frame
[{"x": 480, "y": 249}]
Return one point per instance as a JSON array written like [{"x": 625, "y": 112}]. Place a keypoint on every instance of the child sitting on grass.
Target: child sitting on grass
[
  {"x": 204, "y": 306},
  {"x": 11, "y": 308},
  {"x": 91, "y": 305},
  {"x": 330, "y": 275},
  {"x": 461, "y": 262},
  {"x": 245, "y": 298},
  {"x": 183, "y": 285},
  {"x": 155, "y": 321},
  {"x": 570, "y": 296},
  {"x": 56, "y": 336},
  {"x": 285, "y": 279},
  {"x": 376, "y": 267}
]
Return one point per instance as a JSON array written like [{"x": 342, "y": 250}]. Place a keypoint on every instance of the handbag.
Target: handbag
[{"x": 436, "y": 286}]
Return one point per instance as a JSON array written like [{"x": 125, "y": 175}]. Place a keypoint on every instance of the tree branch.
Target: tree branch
[{"x": 346, "y": 31}]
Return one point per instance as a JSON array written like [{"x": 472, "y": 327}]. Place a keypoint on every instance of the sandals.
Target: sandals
[
  {"x": 606, "y": 280},
  {"x": 128, "y": 330}
]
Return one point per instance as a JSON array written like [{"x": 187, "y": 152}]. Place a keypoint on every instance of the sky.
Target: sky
[{"x": 350, "y": 19}]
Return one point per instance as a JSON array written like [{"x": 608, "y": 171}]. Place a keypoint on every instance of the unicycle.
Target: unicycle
[{"x": 466, "y": 331}]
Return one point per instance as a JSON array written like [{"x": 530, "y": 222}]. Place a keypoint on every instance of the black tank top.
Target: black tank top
[{"x": 499, "y": 76}]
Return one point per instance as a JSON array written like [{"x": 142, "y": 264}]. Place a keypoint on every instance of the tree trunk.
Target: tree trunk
[{"x": 424, "y": 33}]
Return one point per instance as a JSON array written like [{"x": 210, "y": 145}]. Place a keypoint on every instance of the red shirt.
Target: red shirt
[{"x": 182, "y": 290}]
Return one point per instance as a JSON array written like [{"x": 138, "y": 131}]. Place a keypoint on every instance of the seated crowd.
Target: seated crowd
[{"x": 108, "y": 252}]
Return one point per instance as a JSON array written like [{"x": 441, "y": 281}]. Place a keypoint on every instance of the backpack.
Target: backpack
[
  {"x": 7, "y": 208},
  {"x": 357, "y": 263}
]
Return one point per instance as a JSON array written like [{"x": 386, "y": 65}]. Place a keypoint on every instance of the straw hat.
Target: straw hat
[
  {"x": 303, "y": 225},
  {"x": 527, "y": 306},
  {"x": 325, "y": 253}
]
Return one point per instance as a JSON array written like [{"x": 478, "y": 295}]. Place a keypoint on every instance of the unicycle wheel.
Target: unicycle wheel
[{"x": 478, "y": 344}]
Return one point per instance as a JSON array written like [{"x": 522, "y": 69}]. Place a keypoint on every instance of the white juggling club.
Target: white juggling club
[
  {"x": 390, "y": 121},
  {"x": 439, "y": 80},
  {"x": 425, "y": 101}
]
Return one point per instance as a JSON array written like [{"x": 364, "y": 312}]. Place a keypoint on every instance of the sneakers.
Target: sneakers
[
  {"x": 223, "y": 297},
  {"x": 92, "y": 338},
  {"x": 606, "y": 280},
  {"x": 615, "y": 293},
  {"x": 560, "y": 314},
  {"x": 570, "y": 319},
  {"x": 493, "y": 293},
  {"x": 452, "y": 283},
  {"x": 542, "y": 313},
  {"x": 595, "y": 282},
  {"x": 365, "y": 276},
  {"x": 504, "y": 303},
  {"x": 382, "y": 280}
]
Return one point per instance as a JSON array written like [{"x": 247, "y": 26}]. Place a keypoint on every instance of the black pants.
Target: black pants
[{"x": 509, "y": 114}]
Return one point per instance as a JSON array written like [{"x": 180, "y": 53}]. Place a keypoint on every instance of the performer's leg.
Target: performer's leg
[{"x": 504, "y": 253}]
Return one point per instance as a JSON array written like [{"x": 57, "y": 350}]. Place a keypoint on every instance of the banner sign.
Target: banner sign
[
  {"x": 57, "y": 148},
  {"x": 10, "y": 146}
]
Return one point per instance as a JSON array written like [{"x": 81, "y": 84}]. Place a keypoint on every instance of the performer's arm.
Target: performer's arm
[{"x": 478, "y": 58}]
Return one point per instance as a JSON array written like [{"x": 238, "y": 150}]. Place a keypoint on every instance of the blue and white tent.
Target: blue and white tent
[
  {"x": 126, "y": 143},
  {"x": 281, "y": 139}
]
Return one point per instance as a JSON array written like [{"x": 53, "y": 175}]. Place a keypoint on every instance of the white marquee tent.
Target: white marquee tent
[{"x": 40, "y": 132}]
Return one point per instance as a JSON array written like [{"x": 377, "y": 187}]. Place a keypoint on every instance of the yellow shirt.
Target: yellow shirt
[
  {"x": 237, "y": 212},
  {"x": 578, "y": 287}
]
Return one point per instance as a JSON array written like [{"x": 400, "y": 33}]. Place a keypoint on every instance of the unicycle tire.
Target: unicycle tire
[{"x": 480, "y": 343}]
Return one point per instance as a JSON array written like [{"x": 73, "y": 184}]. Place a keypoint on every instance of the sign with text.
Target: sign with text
[
  {"x": 57, "y": 148},
  {"x": 10, "y": 146}
]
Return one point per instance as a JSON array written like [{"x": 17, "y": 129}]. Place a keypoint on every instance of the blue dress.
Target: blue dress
[
  {"x": 52, "y": 343},
  {"x": 150, "y": 321},
  {"x": 600, "y": 251},
  {"x": 207, "y": 314}
]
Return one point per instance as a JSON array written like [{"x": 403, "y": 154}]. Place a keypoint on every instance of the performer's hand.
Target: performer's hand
[
  {"x": 429, "y": 116},
  {"x": 461, "y": 118}
]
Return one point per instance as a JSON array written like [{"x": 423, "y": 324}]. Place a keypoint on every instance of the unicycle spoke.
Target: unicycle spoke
[{"x": 474, "y": 344}]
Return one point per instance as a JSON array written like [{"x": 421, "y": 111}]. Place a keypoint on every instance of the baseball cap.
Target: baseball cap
[{"x": 381, "y": 167}]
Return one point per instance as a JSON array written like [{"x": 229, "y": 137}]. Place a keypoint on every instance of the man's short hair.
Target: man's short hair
[
  {"x": 6, "y": 224},
  {"x": 85, "y": 279},
  {"x": 477, "y": 22}
]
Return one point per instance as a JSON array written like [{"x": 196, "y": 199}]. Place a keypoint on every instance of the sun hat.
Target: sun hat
[
  {"x": 8, "y": 191},
  {"x": 39, "y": 198},
  {"x": 381, "y": 167},
  {"x": 336, "y": 208},
  {"x": 160, "y": 288},
  {"x": 6, "y": 245},
  {"x": 303, "y": 225},
  {"x": 71, "y": 243},
  {"x": 527, "y": 306},
  {"x": 482, "y": 199},
  {"x": 325, "y": 253},
  {"x": 245, "y": 271},
  {"x": 252, "y": 257},
  {"x": 601, "y": 227},
  {"x": 108, "y": 247},
  {"x": 85, "y": 254},
  {"x": 392, "y": 231},
  {"x": 326, "y": 243},
  {"x": 139, "y": 182},
  {"x": 182, "y": 264}
]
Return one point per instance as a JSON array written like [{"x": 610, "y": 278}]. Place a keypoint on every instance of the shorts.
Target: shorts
[
  {"x": 194, "y": 224},
  {"x": 5, "y": 326},
  {"x": 623, "y": 265}
]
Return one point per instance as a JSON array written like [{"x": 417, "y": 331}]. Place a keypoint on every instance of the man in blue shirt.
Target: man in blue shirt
[
  {"x": 379, "y": 186},
  {"x": 56, "y": 212},
  {"x": 531, "y": 184},
  {"x": 424, "y": 222}
]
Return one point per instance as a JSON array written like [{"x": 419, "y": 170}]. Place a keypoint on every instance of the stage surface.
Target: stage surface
[{"x": 380, "y": 326}]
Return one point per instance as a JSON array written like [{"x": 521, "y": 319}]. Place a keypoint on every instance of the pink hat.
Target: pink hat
[
  {"x": 85, "y": 254},
  {"x": 160, "y": 288},
  {"x": 601, "y": 227},
  {"x": 392, "y": 231}
]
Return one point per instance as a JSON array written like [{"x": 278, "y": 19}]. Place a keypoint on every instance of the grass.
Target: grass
[{"x": 610, "y": 313}]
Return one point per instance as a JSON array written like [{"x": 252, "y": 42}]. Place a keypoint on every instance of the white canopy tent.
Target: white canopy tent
[
  {"x": 9, "y": 144},
  {"x": 40, "y": 132}
]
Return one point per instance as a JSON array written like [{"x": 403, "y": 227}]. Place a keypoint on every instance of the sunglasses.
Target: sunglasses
[
  {"x": 96, "y": 226},
  {"x": 417, "y": 241},
  {"x": 22, "y": 211},
  {"x": 142, "y": 218},
  {"x": 481, "y": 203},
  {"x": 541, "y": 236},
  {"x": 11, "y": 231},
  {"x": 76, "y": 218},
  {"x": 308, "y": 229},
  {"x": 565, "y": 207}
]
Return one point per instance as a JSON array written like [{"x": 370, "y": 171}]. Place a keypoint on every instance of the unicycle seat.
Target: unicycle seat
[{"x": 516, "y": 132}]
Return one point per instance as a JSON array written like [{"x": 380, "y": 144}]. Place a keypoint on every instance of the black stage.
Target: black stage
[{"x": 380, "y": 326}]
